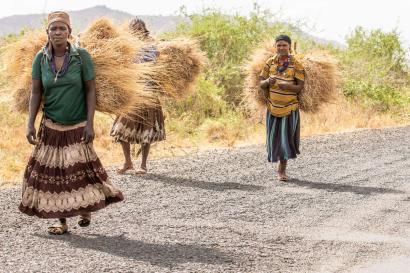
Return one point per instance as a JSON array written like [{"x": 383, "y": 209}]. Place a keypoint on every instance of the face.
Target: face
[
  {"x": 282, "y": 48},
  {"x": 58, "y": 33}
]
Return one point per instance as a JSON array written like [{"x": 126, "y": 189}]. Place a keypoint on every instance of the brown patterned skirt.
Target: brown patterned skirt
[
  {"x": 64, "y": 177},
  {"x": 148, "y": 127}
]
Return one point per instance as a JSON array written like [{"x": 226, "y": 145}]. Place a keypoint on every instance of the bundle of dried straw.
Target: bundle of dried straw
[
  {"x": 119, "y": 81},
  {"x": 320, "y": 82},
  {"x": 17, "y": 59},
  {"x": 179, "y": 63}
]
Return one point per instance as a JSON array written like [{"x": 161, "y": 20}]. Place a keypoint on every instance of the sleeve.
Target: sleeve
[
  {"x": 88, "y": 72},
  {"x": 36, "y": 67},
  {"x": 265, "y": 71},
  {"x": 299, "y": 71}
]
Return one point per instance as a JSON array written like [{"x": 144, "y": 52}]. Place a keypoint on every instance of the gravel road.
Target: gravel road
[{"x": 347, "y": 209}]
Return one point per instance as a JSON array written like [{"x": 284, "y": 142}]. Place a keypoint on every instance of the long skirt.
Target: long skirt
[
  {"x": 145, "y": 128},
  {"x": 282, "y": 136},
  {"x": 64, "y": 177}
]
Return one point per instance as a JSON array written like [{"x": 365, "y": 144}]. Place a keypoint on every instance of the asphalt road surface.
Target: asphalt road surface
[{"x": 346, "y": 209}]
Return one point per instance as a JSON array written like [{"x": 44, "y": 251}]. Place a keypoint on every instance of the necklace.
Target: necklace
[
  {"x": 65, "y": 52},
  {"x": 63, "y": 68},
  {"x": 282, "y": 67}
]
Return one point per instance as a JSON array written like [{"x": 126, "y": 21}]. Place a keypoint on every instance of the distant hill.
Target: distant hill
[{"x": 81, "y": 18}]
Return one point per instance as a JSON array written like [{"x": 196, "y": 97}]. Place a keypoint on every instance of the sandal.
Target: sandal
[
  {"x": 58, "y": 230},
  {"x": 85, "y": 220}
]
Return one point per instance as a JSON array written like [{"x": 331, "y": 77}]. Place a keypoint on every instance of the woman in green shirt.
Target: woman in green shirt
[{"x": 64, "y": 177}]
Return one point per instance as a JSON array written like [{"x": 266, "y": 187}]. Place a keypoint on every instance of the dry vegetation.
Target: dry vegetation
[
  {"x": 179, "y": 63},
  {"x": 119, "y": 91},
  {"x": 17, "y": 58}
]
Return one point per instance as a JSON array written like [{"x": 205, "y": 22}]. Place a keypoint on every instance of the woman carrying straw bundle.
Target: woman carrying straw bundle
[
  {"x": 282, "y": 78},
  {"x": 145, "y": 127},
  {"x": 64, "y": 177}
]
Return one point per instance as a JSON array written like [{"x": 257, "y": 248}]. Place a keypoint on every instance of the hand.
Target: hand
[
  {"x": 283, "y": 86},
  {"x": 264, "y": 84},
  {"x": 31, "y": 135},
  {"x": 88, "y": 135},
  {"x": 271, "y": 80}
]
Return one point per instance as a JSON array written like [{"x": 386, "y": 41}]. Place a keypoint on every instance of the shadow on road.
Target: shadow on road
[
  {"x": 342, "y": 188},
  {"x": 213, "y": 186},
  {"x": 163, "y": 255}
]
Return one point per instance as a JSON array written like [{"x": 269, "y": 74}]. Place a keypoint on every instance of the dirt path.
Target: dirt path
[{"x": 346, "y": 210}]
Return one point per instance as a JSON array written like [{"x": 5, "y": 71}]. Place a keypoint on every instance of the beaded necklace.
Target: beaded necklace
[
  {"x": 63, "y": 69},
  {"x": 282, "y": 67}
]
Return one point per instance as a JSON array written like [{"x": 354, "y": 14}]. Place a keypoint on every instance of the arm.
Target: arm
[
  {"x": 35, "y": 100},
  {"x": 266, "y": 83},
  {"x": 91, "y": 104},
  {"x": 264, "y": 77},
  {"x": 292, "y": 87},
  {"x": 88, "y": 77}
]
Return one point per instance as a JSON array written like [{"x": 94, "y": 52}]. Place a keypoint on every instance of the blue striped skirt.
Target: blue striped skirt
[{"x": 282, "y": 136}]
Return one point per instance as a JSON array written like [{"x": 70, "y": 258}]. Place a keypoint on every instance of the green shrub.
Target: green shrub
[
  {"x": 374, "y": 69},
  {"x": 377, "y": 96}
]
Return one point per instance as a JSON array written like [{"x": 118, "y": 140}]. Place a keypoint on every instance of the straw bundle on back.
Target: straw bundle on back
[
  {"x": 254, "y": 96},
  {"x": 179, "y": 63},
  {"x": 17, "y": 60},
  {"x": 320, "y": 82},
  {"x": 119, "y": 81}
]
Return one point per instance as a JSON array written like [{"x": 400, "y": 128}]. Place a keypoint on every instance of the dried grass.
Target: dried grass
[
  {"x": 179, "y": 63},
  {"x": 341, "y": 116},
  {"x": 320, "y": 83},
  {"x": 17, "y": 59},
  {"x": 119, "y": 82},
  {"x": 253, "y": 94},
  {"x": 321, "y": 80},
  {"x": 100, "y": 29}
]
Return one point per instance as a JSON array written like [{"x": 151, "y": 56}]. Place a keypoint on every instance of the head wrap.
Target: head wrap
[
  {"x": 283, "y": 37},
  {"x": 59, "y": 16}
]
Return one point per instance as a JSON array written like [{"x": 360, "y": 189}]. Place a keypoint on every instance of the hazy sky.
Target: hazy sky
[{"x": 331, "y": 19}]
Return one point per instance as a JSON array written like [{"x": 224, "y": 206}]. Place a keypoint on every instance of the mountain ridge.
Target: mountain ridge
[{"x": 81, "y": 18}]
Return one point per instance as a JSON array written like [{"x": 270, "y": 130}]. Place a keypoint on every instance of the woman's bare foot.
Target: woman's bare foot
[
  {"x": 141, "y": 170},
  {"x": 282, "y": 170},
  {"x": 283, "y": 177},
  {"x": 125, "y": 168}
]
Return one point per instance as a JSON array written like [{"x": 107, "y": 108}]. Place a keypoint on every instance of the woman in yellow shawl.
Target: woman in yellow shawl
[{"x": 283, "y": 78}]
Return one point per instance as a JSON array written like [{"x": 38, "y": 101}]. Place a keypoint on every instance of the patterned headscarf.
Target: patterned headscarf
[{"x": 59, "y": 16}]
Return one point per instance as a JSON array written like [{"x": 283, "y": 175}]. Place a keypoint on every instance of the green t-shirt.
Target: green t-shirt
[{"x": 65, "y": 98}]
